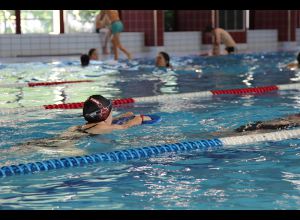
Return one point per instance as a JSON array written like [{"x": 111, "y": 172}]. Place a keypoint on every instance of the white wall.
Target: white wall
[
  {"x": 189, "y": 41},
  {"x": 298, "y": 36},
  {"x": 13, "y": 45},
  {"x": 262, "y": 40}
]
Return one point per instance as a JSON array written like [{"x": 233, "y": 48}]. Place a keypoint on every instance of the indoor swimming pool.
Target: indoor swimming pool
[{"x": 263, "y": 175}]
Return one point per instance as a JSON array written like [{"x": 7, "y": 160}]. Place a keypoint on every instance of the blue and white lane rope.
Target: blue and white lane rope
[{"x": 145, "y": 152}]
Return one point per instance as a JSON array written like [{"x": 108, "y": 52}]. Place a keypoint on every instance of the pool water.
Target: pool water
[{"x": 257, "y": 176}]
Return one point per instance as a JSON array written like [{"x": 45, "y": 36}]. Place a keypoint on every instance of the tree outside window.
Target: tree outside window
[
  {"x": 80, "y": 20},
  {"x": 37, "y": 21},
  {"x": 7, "y": 22}
]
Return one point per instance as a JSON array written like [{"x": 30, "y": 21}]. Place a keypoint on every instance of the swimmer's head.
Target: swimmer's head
[
  {"x": 298, "y": 58},
  {"x": 93, "y": 54},
  {"x": 162, "y": 59},
  {"x": 96, "y": 109},
  {"x": 85, "y": 60}
]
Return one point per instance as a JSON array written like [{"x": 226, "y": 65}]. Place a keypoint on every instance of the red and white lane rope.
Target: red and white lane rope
[
  {"x": 35, "y": 84},
  {"x": 161, "y": 98},
  {"x": 203, "y": 94}
]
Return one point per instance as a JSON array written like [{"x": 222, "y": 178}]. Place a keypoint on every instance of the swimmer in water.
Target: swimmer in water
[
  {"x": 289, "y": 121},
  {"x": 163, "y": 60},
  {"x": 295, "y": 65},
  {"x": 286, "y": 122},
  {"x": 97, "y": 111},
  {"x": 93, "y": 54},
  {"x": 85, "y": 60}
]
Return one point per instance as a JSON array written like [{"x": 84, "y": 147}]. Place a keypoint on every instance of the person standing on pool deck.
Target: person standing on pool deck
[
  {"x": 221, "y": 36},
  {"x": 102, "y": 24},
  {"x": 116, "y": 29}
]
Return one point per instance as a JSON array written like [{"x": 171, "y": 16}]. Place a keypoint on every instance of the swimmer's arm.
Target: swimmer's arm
[
  {"x": 127, "y": 114},
  {"x": 69, "y": 132},
  {"x": 73, "y": 128},
  {"x": 292, "y": 65},
  {"x": 137, "y": 120},
  {"x": 110, "y": 128}
]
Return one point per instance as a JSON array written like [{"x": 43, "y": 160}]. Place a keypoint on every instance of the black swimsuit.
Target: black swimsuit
[{"x": 260, "y": 125}]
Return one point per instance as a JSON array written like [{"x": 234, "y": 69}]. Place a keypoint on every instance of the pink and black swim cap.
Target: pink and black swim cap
[{"x": 96, "y": 109}]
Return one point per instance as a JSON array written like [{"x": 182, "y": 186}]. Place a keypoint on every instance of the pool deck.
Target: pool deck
[{"x": 25, "y": 59}]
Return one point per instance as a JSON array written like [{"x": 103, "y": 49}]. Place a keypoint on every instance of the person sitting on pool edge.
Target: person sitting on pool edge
[
  {"x": 295, "y": 65},
  {"x": 163, "y": 60},
  {"x": 220, "y": 36}
]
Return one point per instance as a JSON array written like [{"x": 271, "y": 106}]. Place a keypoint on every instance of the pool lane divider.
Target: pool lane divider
[
  {"x": 145, "y": 152},
  {"x": 36, "y": 84},
  {"x": 161, "y": 98},
  {"x": 75, "y": 105}
]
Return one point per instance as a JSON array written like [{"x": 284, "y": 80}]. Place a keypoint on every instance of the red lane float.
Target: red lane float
[
  {"x": 78, "y": 105},
  {"x": 34, "y": 84},
  {"x": 161, "y": 98},
  {"x": 245, "y": 90}
]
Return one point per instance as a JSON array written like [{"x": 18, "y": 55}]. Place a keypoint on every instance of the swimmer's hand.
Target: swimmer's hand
[
  {"x": 127, "y": 114},
  {"x": 146, "y": 118}
]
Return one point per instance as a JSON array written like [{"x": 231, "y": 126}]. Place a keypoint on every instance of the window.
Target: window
[
  {"x": 40, "y": 21},
  {"x": 169, "y": 20},
  {"x": 231, "y": 19},
  {"x": 80, "y": 20},
  {"x": 7, "y": 22}
]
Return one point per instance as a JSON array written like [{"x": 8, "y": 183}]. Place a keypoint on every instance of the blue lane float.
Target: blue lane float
[{"x": 114, "y": 156}]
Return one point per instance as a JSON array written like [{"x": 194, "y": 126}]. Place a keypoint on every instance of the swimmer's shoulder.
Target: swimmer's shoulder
[
  {"x": 101, "y": 129},
  {"x": 293, "y": 66}
]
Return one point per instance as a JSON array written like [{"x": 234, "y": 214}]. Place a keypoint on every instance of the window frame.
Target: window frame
[{"x": 231, "y": 30}]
